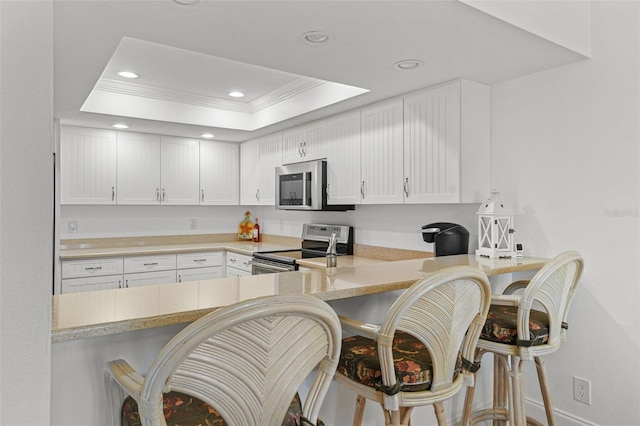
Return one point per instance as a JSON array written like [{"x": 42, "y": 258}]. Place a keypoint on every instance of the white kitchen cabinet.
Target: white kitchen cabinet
[
  {"x": 76, "y": 285},
  {"x": 446, "y": 144},
  {"x": 138, "y": 168},
  {"x": 258, "y": 161},
  {"x": 304, "y": 143},
  {"x": 87, "y": 166},
  {"x": 343, "y": 159},
  {"x": 238, "y": 264},
  {"x": 180, "y": 171},
  {"x": 219, "y": 173},
  {"x": 200, "y": 266},
  {"x": 91, "y": 274},
  {"x": 158, "y": 169},
  {"x": 381, "y": 153},
  {"x": 149, "y": 278},
  {"x": 198, "y": 274}
]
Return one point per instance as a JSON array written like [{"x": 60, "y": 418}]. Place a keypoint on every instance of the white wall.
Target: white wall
[
  {"x": 26, "y": 211},
  {"x": 395, "y": 226},
  {"x": 565, "y": 152}
]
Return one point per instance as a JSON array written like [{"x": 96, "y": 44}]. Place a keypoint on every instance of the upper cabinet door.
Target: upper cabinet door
[
  {"x": 219, "y": 173},
  {"x": 381, "y": 154},
  {"x": 432, "y": 145},
  {"x": 180, "y": 171},
  {"x": 250, "y": 173},
  {"x": 270, "y": 158},
  {"x": 138, "y": 168},
  {"x": 87, "y": 166},
  {"x": 446, "y": 144},
  {"x": 343, "y": 159},
  {"x": 304, "y": 143}
]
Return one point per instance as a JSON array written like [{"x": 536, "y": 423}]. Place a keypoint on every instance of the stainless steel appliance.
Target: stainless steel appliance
[
  {"x": 316, "y": 239},
  {"x": 303, "y": 186}
]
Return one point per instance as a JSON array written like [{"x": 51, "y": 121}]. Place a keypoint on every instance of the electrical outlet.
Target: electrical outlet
[
  {"x": 582, "y": 390},
  {"x": 193, "y": 223},
  {"x": 72, "y": 227}
]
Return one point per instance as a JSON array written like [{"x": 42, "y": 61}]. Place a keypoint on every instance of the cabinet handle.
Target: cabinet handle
[
  {"x": 163, "y": 195},
  {"x": 179, "y": 278},
  {"x": 93, "y": 268},
  {"x": 258, "y": 194},
  {"x": 199, "y": 260},
  {"x": 113, "y": 193},
  {"x": 119, "y": 283},
  {"x": 202, "y": 194},
  {"x": 232, "y": 260},
  {"x": 300, "y": 149},
  {"x": 157, "y": 194},
  {"x": 406, "y": 186},
  {"x": 362, "y": 189},
  {"x": 126, "y": 283},
  {"x": 304, "y": 152},
  {"x": 150, "y": 264}
]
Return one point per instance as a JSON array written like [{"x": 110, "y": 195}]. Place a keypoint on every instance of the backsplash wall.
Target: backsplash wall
[{"x": 396, "y": 226}]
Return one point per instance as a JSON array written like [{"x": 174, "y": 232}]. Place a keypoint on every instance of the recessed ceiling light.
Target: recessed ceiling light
[
  {"x": 120, "y": 126},
  {"x": 408, "y": 64},
  {"x": 128, "y": 74},
  {"x": 316, "y": 37},
  {"x": 236, "y": 94},
  {"x": 207, "y": 135}
]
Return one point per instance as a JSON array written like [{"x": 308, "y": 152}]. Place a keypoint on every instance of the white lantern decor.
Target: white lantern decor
[{"x": 495, "y": 228}]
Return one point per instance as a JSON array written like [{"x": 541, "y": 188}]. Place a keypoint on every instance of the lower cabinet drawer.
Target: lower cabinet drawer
[
  {"x": 200, "y": 260},
  {"x": 76, "y": 285},
  {"x": 149, "y": 263},
  {"x": 91, "y": 268},
  {"x": 149, "y": 278},
  {"x": 197, "y": 274}
]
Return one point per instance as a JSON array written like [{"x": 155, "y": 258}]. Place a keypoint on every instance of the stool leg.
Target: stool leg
[
  {"x": 360, "y": 403},
  {"x": 544, "y": 389},
  {"x": 438, "y": 408},
  {"x": 517, "y": 389},
  {"x": 501, "y": 386},
  {"x": 468, "y": 402}
]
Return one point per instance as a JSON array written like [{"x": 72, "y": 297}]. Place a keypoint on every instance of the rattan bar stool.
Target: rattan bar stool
[{"x": 524, "y": 323}]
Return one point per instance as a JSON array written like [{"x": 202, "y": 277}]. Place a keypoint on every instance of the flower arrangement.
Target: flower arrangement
[{"x": 245, "y": 230}]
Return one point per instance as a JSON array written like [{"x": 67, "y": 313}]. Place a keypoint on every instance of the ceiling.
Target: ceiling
[{"x": 190, "y": 56}]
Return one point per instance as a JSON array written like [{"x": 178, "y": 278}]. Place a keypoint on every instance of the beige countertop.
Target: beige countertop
[
  {"x": 99, "y": 313},
  {"x": 321, "y": 262},
  {"x": 242, "y": 247}
]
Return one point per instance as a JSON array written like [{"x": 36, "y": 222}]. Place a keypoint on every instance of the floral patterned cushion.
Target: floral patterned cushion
[
  {"x": 501, "y": 326},
  {"x": 184, "y": 410},
  {"x": 359, "y": 362}
]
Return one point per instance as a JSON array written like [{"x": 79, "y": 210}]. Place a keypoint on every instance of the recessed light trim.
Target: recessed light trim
[
  {"x": 408, "y": 64},
  {"x": 207, "y": 135},
  {"x": 236, "y": 94},
  {"x": 316, "y": 37},
  {"x": 120, "y": 126},
  {"x": 128, "y": 74}
]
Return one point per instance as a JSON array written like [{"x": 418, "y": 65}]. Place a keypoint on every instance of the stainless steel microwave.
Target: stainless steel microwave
[{"x": 303, "y": 186}]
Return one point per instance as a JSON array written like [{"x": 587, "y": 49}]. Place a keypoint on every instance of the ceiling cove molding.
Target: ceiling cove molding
[
  {"x": 288, "y": 91},
  {"x": 163, "y": 94}
]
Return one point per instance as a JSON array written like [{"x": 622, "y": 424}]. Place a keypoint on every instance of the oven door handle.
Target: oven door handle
[{"x": 260, "y": 265}]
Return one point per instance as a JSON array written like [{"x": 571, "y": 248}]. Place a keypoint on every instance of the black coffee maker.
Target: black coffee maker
[{"x": 448, "y": 238}]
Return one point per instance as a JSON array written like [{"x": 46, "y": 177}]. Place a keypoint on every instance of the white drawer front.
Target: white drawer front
[
  {"x": 200, "y": 260},
  {"x": 149, "y": 278},
  {"x": 197, "y": 274},
  {"x": 239, "y": 261},
  {"x": 149, "y": 263},
  {"x": 90, "y": 268},
  {"x": 76, "y": 285}
]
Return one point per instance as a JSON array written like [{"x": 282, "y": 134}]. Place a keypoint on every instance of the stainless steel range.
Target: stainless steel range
[{"x": 315, "y": 241}]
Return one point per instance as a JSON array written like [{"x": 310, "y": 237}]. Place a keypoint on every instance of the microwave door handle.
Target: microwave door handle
[{"x": 305, "y": 179}]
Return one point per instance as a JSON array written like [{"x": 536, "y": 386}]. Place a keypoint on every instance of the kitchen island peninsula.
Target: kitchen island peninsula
[{"x": 90, "y": 328}]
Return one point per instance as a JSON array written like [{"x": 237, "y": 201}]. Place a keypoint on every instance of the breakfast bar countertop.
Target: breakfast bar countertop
[{"x": 99, "y": 313}]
